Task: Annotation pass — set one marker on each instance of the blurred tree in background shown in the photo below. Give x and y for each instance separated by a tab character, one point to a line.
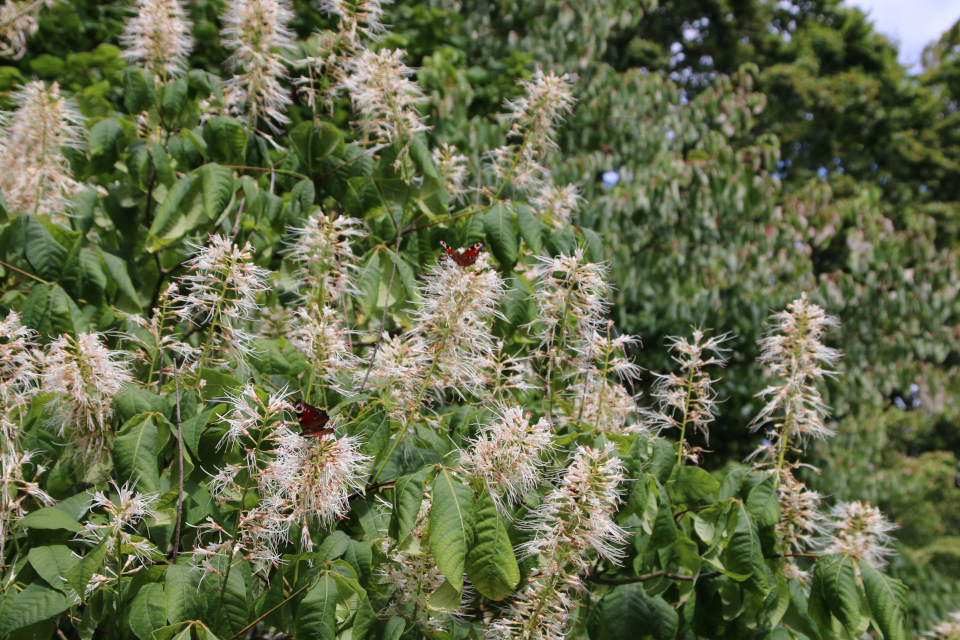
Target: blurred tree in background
732	152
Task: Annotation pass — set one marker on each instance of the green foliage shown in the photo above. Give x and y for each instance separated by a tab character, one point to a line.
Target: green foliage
715	219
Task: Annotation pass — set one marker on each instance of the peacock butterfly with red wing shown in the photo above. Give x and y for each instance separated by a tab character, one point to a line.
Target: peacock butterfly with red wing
463	257
313	421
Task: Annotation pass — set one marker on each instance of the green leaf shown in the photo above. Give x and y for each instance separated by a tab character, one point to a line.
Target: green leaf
147	611
531	228
193	427
83	277
317	612
174	95
35	603
394	628
235	613
689	485
887	599
180	594
451	526
498	224
491	565
217	189
743	556
138	90
83	569
687	554
135	452
314	141
4	211
628	612
104	141
225	138
594	245
664	529
407	498
31	239
763	503
364	619
117	268
369	282
51	563
730	486
445	598
834	589
49	518
169	223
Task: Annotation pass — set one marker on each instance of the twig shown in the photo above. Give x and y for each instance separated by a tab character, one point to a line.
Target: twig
383	317
285	601
613	582
29	275
377	487
176	535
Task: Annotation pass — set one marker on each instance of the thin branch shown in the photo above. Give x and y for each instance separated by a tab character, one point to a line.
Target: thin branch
377	487
285	601
338	167
29	275
613	582
176	535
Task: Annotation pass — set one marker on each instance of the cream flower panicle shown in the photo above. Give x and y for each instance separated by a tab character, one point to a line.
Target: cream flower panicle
85	375
510	454
686	398
323	252
453	167
794	355
157	36
222	288
453	318
258	32
19	20
37	176
124	512
572	526
533	119
384	96
860	530
559	204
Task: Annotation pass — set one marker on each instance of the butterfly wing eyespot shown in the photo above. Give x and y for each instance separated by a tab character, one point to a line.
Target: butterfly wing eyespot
312	420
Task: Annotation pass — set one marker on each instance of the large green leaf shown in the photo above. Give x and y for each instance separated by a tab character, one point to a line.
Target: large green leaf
491	565
83	277
628	612
169	223
317	612
180	594
31	239
498	224
834	590
225	138
887	599
35	603
235	610
407	498
664	528
314	141
51	563
83	569
217	189
104	140
743	556
147	611
49	518
135	452
690	485
451	526
138	90
763	503
531	228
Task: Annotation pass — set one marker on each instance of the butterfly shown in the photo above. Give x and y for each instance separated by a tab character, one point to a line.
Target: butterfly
312	420
463	257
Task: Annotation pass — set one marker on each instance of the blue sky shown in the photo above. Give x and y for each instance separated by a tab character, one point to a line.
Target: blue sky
912	23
